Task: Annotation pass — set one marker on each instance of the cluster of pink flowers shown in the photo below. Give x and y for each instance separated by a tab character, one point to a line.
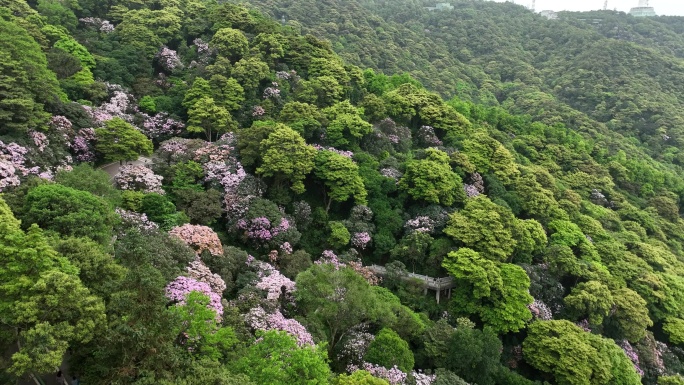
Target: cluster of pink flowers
178	290
275	284
477	182
138	178
117	107
421	224
40	140
13	165
394	376
160	125
137	220
356	346
286	248
329	257
427	137
168	59
199	238
204	52
261	229
584	325
258	111
62	125
271	92
540	310
631	354
346	154
285	75
258	319
421	378
392	173
102	25
470	190
199	271
361	240
83	145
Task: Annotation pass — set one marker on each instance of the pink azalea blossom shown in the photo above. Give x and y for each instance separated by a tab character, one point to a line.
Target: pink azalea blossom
178	291
199	237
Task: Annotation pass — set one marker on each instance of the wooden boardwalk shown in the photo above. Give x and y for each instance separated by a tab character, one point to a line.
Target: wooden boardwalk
429	283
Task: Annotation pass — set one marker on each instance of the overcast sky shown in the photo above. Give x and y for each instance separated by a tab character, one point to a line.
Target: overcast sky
662	7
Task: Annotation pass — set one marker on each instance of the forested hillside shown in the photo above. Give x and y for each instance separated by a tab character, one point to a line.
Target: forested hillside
257	180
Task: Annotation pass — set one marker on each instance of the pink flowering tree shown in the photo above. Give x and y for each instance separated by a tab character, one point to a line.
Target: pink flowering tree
394	375
168	59
177	291
136	220
259	319
198	237
83	145
199	271
138	178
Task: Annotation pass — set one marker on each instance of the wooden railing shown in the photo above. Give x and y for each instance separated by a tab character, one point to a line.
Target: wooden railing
430	283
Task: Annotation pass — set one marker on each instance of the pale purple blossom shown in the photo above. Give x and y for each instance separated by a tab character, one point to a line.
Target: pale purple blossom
258	111
286	248
271	92
199	271
83	145
361	240
392	173
160	125
138	178
346	154
540	311
102	25
258	319
421	224
427	137
137	220
275	284
470	190
394	375
40	140
178	290
168	59
631	354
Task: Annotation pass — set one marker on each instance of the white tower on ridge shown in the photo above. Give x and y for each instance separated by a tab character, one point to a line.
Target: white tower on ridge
643	10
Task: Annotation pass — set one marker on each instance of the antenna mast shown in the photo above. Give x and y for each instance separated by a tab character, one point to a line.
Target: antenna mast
534	4
605	5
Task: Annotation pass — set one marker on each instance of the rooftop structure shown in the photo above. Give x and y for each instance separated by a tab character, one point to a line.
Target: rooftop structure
642	10
441	7
551	15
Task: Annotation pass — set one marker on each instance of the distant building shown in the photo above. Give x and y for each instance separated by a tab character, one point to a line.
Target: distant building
441	7
551	15
643	10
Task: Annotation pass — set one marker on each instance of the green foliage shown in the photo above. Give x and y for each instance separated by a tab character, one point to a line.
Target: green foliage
206	116
286	156
230	43
340	175
485	227
359	377
86	178
474	354
576	357
674	327
630	318
119	141
318	296
68	212
591	299
389	350
432	180
26	82
497	293
339	235
276	359
44	305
